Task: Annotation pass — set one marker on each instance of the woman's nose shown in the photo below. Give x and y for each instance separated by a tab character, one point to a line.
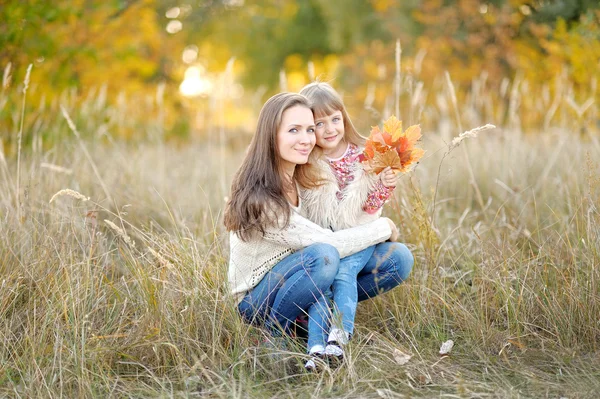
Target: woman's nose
308	139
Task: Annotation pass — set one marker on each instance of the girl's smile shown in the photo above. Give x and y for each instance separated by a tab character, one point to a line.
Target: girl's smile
330	134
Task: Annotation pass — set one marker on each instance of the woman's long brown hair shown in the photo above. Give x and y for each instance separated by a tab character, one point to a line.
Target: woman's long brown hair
257	192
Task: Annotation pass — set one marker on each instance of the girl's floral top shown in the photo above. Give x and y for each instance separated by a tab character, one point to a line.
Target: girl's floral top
343	167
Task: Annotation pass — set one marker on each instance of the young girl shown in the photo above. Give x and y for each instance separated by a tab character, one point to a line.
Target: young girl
281	264
350	197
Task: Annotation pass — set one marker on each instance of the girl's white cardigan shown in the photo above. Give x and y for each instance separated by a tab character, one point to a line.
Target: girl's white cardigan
323	207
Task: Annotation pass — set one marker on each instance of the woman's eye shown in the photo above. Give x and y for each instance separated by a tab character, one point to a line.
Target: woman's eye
311	130
293	130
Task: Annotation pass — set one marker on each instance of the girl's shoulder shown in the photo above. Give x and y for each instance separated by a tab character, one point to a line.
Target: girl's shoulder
356	147
354	156
351	155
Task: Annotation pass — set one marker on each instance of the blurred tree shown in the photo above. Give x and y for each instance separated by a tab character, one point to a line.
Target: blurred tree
549	12
130	45
87	43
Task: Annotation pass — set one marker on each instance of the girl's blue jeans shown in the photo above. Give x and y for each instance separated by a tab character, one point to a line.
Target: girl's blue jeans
361	276
300	282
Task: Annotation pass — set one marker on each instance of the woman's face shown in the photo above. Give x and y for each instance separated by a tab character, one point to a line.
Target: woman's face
295	136
330	133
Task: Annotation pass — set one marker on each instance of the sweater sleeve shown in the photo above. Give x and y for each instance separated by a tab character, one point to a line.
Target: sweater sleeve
377	197
301	233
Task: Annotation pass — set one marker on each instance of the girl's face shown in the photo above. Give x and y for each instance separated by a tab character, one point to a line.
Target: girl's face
295	136
330	134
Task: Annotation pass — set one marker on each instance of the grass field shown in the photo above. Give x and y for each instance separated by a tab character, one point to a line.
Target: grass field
123	295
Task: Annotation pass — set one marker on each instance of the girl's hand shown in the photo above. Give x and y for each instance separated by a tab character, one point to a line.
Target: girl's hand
388	177
395	233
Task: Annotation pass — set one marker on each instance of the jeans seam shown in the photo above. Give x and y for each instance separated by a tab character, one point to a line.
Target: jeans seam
288	290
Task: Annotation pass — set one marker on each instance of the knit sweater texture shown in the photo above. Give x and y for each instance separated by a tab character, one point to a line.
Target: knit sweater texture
249	261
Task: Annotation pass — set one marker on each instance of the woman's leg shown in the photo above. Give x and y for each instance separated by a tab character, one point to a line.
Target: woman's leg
390	265
294	284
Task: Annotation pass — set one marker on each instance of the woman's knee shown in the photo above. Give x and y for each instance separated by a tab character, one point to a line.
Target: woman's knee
327	258
402	260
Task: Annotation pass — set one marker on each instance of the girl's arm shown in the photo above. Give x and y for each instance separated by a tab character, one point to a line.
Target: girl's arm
301	233
377	197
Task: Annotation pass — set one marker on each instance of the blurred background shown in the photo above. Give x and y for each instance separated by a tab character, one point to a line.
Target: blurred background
198	69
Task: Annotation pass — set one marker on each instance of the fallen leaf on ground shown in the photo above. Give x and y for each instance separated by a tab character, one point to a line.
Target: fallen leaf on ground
446	347
400	357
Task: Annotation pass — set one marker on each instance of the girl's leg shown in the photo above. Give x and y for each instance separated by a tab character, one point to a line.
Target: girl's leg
294	284
345	299
345	296
319	316
345	292
390	265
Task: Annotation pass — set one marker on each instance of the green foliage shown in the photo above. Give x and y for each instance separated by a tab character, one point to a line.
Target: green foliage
548	12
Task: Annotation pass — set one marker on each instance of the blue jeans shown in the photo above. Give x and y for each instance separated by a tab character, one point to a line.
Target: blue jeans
361	276
299	282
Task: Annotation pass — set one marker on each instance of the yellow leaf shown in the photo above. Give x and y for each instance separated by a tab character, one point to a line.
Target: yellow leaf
393	126
413	134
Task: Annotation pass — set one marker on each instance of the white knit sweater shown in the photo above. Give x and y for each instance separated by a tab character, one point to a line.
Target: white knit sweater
323	207
249	261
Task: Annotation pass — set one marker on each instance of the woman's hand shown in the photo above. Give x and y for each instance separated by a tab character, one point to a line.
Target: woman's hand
395	233
388	177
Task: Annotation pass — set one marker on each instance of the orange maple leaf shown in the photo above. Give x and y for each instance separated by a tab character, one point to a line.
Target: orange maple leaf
381	144
382	160
410	157
378	141
381	137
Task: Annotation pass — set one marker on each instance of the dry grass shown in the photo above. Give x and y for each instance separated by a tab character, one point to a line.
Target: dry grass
124	295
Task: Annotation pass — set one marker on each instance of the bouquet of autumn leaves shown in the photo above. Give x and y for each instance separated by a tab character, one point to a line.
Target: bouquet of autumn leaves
392	147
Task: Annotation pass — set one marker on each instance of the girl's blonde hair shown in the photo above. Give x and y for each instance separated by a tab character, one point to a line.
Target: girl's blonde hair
325	101
258	190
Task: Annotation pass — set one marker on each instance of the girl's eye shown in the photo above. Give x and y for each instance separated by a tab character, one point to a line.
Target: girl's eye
319	124
336	119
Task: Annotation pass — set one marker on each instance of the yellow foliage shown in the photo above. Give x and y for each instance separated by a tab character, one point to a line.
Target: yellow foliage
383	5
294	62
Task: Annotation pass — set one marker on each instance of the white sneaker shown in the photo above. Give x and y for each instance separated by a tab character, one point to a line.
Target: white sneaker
311	365
315	363
334	352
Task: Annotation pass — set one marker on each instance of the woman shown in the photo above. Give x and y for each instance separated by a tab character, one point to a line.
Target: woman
282	265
